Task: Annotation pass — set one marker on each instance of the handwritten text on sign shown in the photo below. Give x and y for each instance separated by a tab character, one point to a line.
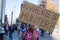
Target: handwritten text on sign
40	11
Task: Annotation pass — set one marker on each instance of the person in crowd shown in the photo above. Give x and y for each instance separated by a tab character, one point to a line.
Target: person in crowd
15	27
35	33
29	33
20	33
6	28
18	28
10	32
50	33
42	33
39	34
2	31
23	29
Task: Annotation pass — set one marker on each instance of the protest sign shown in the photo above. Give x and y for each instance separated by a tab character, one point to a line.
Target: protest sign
36	15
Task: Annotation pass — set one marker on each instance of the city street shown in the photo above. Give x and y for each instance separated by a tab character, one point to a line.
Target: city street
29	19
54	36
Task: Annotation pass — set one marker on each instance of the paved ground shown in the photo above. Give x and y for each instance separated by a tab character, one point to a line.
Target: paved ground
54	36
15	36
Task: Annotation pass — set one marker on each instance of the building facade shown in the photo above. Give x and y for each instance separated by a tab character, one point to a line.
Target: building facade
2	10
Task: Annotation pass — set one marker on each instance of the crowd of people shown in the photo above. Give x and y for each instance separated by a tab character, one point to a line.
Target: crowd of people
25	31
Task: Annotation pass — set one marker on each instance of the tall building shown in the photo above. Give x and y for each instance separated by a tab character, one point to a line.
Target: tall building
5	19
50	4
2	10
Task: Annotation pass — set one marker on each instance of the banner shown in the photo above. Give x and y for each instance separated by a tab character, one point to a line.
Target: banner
36	15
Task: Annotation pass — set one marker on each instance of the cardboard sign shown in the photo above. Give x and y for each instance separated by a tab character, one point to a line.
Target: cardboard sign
36	15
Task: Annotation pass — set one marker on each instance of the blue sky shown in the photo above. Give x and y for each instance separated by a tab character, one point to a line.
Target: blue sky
15	5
